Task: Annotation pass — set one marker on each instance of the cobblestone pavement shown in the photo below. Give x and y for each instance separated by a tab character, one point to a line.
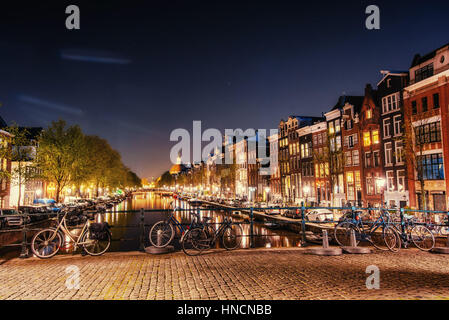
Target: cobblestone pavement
244	274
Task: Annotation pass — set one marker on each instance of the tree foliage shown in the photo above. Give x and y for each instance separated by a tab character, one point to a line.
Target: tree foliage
68	157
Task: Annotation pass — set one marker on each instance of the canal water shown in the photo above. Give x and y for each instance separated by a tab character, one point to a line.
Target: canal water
126	230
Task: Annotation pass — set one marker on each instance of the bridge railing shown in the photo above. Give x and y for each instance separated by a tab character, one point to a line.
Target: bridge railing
299	217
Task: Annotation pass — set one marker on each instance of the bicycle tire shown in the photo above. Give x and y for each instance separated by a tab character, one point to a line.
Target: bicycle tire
85	239
194	242
42	250
232	238
167	233
342	233
384	240
417	233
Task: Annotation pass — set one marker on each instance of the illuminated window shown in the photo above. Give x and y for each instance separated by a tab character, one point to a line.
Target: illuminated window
369	114
375	136
357	180
331	128
350	177
366	139
337	125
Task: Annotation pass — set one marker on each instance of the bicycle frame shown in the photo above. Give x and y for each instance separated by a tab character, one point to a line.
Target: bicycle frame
378	223
178	224
62	225
220	230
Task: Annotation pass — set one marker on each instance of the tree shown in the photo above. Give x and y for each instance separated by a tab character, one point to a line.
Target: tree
60	154
166	179
413	150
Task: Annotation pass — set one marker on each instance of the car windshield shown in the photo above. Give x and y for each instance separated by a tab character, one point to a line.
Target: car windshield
9	211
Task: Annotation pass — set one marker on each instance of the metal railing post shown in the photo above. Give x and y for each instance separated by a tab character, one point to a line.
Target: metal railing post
24	252
401	215
251	228
142	230
303	225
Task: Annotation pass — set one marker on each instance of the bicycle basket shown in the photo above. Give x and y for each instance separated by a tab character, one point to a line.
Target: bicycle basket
73	220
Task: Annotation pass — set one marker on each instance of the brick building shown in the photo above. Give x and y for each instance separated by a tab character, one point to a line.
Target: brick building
389	91
371	149
321	164
305	191
426	103
275	183
352	150
6	170
335	154
289	155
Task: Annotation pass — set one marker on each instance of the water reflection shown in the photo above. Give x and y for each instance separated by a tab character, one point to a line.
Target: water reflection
126	230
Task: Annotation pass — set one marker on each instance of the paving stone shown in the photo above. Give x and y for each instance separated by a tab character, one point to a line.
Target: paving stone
244	274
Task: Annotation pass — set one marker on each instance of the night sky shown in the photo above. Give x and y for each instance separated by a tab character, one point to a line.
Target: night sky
139	69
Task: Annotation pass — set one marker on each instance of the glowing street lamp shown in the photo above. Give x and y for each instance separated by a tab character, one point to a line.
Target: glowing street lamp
267	192
306	190
380	186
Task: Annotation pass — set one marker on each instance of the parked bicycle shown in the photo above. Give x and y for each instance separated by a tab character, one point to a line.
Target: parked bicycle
413	232
379	233
163	232
200	239
438	229
94	238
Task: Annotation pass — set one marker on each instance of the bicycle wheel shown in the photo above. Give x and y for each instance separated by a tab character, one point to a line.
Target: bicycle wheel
342	233
161	234
194	242
95	247
232	236
386	240
46	243
422	238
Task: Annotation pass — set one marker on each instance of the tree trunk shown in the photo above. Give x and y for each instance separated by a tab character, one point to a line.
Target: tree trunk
20	186
57	192
423	195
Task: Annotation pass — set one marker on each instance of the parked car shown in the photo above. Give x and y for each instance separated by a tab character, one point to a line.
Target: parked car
36	213
319	215
9	220
273	212
293	214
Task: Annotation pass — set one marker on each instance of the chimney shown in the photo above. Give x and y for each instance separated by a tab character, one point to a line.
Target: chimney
368	89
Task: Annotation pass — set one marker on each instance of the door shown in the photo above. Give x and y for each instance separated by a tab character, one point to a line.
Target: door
439	202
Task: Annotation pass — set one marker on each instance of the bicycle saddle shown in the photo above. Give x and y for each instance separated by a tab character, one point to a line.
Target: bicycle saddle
207	218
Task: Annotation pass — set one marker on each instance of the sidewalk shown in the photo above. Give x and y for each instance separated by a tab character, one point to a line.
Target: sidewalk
243	274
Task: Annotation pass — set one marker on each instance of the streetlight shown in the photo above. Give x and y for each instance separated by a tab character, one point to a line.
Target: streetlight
267	192
306	190
380	185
